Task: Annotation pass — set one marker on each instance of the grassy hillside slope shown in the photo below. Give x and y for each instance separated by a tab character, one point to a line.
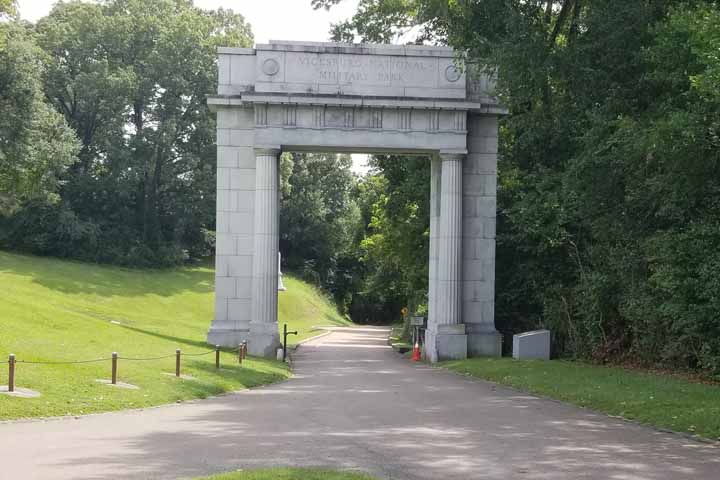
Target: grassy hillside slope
304	307
54	310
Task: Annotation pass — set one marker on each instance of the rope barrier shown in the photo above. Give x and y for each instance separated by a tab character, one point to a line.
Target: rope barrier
62	362
241	351
145	359
198	354
106	359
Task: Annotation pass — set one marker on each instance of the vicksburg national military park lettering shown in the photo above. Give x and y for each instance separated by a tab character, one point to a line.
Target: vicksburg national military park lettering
363	69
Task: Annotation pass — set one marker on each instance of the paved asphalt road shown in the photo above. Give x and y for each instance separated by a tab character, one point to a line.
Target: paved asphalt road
355	404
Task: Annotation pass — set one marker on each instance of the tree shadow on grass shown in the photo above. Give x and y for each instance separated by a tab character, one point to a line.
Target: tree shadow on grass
179	340
252	376
74	277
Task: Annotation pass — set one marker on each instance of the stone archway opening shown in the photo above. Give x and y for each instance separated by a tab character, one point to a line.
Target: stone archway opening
322	97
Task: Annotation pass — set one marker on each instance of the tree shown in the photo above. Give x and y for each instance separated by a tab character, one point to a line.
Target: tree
131	77
8	8
35	143
319	219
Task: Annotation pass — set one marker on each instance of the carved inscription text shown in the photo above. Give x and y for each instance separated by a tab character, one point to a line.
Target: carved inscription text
366	69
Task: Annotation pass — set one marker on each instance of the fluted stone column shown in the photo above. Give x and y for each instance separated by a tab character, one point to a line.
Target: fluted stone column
446	333
435	176
264	337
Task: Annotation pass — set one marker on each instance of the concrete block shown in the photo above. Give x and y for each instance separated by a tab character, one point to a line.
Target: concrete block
224	201
475	205
244	244
264	339
478	291
239	265
236	118
225	287
227	157
263	344
532	345
221	265
480	163
473	227
223	178
473	184
241	222
221	309
242	179
482	144
224	69
225	244
478	312
488	270
239	309
486	206
245	157
243	288
484	248
223	137
243	200
242	69
242	138
491	185
451	346
226	334
489	227
482	125
472	269
222	222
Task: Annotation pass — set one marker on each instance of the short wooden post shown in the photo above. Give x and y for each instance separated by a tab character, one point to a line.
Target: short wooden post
240	353
114	368
217	356
177	362
11	372
244	349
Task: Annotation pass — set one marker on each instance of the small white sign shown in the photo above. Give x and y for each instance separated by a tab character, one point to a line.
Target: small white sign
417	321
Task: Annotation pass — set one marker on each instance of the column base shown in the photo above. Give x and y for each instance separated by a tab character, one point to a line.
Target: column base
484	344
449	342
230	338
264	340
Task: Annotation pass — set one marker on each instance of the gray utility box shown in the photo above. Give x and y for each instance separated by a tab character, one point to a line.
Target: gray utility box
532	345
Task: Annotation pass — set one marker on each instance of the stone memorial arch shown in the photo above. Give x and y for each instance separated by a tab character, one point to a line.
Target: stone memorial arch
326	97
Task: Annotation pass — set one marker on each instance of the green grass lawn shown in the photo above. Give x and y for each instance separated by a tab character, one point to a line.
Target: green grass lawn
660	400
303	307
61	310
289	474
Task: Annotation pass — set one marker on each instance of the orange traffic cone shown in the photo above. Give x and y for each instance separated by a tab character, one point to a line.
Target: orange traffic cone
416	353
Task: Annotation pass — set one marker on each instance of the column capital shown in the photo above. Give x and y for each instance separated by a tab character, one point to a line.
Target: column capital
268	150
451	155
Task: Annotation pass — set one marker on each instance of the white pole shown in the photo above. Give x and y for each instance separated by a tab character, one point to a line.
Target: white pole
281	287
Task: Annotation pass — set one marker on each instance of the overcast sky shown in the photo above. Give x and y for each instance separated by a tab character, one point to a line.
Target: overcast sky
270	19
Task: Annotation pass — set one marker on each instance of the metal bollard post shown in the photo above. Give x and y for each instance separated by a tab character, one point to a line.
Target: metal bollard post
240	353
217	356
284	344
114	368
177	362
11	372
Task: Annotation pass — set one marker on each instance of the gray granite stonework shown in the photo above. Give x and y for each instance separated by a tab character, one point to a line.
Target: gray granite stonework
325	97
